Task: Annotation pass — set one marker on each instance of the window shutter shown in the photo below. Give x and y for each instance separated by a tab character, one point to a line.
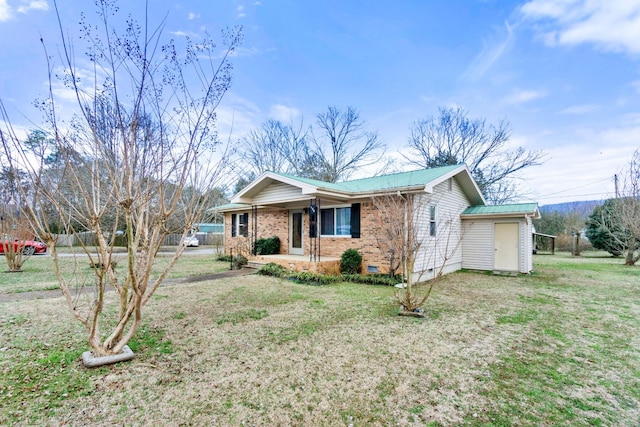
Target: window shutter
233	225
355	220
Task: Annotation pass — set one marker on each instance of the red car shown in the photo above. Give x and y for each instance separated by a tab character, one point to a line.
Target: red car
29	247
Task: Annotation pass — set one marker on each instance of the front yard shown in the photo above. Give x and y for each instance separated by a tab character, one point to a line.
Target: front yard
557	347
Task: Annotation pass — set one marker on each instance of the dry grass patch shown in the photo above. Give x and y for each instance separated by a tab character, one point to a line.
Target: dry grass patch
557	347
38	271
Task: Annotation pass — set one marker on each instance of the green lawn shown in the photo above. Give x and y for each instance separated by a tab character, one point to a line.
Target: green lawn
557	347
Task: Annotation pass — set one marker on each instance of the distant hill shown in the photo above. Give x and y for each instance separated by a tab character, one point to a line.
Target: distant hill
583	208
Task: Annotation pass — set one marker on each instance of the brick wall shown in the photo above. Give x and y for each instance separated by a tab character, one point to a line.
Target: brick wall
275	222
271	222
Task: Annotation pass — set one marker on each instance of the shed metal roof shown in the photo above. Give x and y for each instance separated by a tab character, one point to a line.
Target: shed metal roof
513	208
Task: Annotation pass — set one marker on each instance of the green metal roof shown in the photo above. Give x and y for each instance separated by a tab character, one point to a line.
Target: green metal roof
229	206
515	208
383	182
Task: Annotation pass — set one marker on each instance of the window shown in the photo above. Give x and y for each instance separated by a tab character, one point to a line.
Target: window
335	221
240	224
432	221
243	224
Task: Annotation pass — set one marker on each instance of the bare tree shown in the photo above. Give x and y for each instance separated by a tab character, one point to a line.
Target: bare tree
337	147
275	147
452	138
140	156
341	145
615	226
14	227
627	211
414	245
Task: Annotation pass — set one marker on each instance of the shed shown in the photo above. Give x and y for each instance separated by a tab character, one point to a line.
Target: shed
499	237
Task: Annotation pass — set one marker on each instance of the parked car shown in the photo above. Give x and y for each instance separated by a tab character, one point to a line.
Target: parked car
29	247
191	242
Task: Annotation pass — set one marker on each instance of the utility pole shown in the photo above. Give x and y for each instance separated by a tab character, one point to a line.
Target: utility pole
615	182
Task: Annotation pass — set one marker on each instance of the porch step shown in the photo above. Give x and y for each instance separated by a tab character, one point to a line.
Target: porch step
255	264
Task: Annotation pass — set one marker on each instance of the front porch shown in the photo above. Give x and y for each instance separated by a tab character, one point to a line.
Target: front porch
297	262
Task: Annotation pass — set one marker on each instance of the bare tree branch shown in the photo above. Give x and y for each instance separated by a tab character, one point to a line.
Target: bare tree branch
453	138
342	145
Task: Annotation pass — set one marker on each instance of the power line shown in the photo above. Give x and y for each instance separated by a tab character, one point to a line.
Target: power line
599	195
578	187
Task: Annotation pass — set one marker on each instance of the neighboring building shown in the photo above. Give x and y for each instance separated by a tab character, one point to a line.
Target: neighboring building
317	221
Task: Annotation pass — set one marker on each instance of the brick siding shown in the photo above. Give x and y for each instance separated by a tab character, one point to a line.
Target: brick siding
275	222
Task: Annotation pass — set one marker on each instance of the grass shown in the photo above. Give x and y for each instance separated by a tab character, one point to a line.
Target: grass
37	274
557	347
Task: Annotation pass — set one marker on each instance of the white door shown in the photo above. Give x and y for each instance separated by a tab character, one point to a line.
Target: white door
295	233
507	252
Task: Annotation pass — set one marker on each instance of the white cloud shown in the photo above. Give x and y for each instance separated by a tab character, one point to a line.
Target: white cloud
245	51
631	119
580	109
5	11
491	52
611	25
33	5
241	13
283	113
520	96
583	168
192	16
237	116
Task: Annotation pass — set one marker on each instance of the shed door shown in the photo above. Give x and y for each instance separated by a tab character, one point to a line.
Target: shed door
507	251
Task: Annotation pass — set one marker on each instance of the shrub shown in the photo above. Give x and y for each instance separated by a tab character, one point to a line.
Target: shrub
372	279
350	262
314	278
273	269
267	246
239	261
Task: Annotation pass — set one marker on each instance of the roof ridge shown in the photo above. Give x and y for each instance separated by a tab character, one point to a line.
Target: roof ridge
400	173
292	176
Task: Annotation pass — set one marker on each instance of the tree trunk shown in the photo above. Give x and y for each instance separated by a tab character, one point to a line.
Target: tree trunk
631	258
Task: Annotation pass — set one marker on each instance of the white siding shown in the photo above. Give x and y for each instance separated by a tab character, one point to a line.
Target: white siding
444	250
477	244
277	192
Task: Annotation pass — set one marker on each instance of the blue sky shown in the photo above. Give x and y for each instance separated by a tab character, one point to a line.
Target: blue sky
564	73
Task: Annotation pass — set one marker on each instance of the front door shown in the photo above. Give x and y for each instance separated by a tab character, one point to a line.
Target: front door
507	252
295	233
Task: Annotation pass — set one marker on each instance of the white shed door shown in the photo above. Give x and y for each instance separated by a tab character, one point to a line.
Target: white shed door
506	253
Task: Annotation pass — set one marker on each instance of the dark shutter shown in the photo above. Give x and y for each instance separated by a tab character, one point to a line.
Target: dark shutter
233	225
355	220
